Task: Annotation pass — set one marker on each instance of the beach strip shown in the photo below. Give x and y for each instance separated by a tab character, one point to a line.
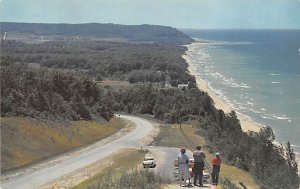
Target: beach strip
246	123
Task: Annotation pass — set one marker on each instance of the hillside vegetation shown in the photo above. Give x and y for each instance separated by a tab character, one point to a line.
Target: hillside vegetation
51	94
134	62
134	33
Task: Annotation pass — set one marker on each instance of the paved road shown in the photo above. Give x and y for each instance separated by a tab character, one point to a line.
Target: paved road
165	157
71	161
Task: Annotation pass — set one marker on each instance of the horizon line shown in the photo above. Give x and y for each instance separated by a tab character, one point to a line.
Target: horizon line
179	28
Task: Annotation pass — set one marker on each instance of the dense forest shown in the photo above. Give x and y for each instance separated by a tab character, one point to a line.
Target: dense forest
145	33
51	94
58	80
135	62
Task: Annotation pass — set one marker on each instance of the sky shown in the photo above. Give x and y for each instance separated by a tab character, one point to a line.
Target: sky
193	14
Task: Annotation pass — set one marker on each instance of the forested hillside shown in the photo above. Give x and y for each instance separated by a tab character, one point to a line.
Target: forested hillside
135	62
51	94
140	33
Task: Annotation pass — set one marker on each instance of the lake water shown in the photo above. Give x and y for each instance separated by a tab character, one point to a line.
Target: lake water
257	72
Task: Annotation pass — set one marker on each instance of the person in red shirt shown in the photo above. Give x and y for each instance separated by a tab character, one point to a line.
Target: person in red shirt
216	162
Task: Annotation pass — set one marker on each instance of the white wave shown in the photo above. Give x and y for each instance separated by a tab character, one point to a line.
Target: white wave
275	82
255	111
274	74
230	82
243	108
263	109
250	103
214	42
293	145
266	117
246	86
283	117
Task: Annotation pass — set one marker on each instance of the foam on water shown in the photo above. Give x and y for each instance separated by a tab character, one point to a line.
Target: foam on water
275	82
282	117
253	79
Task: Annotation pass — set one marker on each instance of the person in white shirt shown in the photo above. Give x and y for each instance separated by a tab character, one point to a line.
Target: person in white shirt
183	167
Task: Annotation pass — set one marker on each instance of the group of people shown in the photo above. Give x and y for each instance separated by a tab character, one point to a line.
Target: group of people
199	165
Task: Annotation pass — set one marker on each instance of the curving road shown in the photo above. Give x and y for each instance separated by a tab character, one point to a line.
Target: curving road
69	162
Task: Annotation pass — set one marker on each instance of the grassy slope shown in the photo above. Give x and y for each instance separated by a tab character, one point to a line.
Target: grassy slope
170	135
123	161
26	140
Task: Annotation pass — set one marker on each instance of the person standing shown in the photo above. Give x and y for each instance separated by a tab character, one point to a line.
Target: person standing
183	167
199	158
216	162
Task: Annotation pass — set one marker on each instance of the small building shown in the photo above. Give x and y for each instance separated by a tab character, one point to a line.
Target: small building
180	86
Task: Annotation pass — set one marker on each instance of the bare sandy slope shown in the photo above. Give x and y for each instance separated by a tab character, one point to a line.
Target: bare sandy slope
70	162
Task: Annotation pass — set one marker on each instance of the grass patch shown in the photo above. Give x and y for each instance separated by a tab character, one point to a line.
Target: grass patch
26	140
170	136
122	162
132	179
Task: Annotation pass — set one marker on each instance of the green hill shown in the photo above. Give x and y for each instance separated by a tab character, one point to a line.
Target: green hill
133	33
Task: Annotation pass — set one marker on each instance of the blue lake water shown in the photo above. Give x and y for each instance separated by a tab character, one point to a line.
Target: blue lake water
257	72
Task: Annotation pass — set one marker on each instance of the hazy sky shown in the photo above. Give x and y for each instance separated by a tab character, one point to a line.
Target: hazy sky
177	13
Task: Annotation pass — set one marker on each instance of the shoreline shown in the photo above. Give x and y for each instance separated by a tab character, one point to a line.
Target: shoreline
246	123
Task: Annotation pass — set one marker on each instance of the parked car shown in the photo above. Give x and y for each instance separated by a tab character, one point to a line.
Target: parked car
148	161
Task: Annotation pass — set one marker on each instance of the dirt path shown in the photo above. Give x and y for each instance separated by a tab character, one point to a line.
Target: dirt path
40	175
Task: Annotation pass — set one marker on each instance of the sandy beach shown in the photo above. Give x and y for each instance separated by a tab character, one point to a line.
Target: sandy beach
246	123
